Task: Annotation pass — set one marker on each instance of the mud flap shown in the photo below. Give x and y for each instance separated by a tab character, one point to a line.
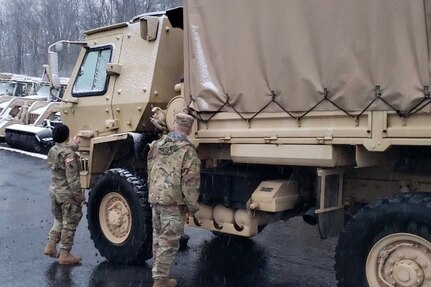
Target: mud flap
330	212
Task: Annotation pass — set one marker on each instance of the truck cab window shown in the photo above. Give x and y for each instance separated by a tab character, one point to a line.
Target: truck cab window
92	78
7	88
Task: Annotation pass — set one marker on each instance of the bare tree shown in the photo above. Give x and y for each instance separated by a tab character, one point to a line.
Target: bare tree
31	37
29	26
13	15
61	21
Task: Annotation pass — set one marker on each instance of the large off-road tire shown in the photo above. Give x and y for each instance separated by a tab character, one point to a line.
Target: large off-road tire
387	243
119	217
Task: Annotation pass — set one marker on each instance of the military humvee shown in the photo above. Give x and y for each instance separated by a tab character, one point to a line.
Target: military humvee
318	109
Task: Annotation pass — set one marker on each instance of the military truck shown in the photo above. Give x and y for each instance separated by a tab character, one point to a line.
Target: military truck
6	88
318	109
14	109
19	86
34	132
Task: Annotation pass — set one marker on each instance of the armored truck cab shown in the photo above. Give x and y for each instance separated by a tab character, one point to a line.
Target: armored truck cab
122	72
311	108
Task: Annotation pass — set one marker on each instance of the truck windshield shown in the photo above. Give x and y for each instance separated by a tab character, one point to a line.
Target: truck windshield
7	89
92	78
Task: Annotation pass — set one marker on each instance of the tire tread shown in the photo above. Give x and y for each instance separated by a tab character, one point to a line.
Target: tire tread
141	190
359	221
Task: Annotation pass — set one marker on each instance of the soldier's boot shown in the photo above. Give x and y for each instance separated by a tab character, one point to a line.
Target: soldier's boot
51	246
67	258
51	249
170	282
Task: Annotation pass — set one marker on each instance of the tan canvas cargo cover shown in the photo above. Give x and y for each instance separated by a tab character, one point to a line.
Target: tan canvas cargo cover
247	48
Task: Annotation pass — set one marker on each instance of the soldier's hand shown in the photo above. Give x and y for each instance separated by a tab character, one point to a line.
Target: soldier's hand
76	140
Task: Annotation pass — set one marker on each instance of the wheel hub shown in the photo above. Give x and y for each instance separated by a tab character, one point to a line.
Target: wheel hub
407	273
400	260
115	217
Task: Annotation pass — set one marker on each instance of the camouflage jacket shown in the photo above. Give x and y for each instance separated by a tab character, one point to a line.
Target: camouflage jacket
63	161
174	172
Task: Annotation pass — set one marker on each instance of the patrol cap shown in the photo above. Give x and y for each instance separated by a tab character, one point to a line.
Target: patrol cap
60	133
184	120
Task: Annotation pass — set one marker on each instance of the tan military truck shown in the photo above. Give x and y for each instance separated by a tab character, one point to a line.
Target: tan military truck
31	128
6	88
311	108
32	131
19	86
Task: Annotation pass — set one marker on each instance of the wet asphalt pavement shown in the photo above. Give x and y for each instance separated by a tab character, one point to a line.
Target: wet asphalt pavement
285	254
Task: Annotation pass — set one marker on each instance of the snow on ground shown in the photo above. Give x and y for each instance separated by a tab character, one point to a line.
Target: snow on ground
37	155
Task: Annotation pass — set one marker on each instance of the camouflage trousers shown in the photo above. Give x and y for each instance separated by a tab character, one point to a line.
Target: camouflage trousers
168	226
66	218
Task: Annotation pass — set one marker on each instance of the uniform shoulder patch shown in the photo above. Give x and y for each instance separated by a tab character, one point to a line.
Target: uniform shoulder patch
69	159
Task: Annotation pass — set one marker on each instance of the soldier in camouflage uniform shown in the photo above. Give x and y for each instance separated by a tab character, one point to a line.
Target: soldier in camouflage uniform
174	179
66	195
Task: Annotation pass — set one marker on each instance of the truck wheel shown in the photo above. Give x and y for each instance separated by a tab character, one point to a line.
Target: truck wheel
387	243
119	217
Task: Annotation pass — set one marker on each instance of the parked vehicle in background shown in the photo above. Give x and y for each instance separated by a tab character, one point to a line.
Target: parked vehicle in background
26	122
23	85
6	87
34	133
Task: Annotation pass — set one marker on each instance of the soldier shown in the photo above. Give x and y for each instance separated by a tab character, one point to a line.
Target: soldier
66	195
174	179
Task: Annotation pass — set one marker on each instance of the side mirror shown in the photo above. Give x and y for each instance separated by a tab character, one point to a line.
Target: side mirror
149	28
54	78
53	74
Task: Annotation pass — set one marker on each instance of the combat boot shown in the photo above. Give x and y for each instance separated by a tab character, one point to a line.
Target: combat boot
51	249
67	258
51	246
165	282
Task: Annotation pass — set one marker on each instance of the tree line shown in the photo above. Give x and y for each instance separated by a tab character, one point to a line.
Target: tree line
28	27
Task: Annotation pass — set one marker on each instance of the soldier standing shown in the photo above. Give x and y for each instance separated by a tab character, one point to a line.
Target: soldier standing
174	179
66	195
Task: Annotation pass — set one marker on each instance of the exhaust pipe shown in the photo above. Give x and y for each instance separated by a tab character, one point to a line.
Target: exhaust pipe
310	216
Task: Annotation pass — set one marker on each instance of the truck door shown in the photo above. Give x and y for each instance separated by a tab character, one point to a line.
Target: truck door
93	87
